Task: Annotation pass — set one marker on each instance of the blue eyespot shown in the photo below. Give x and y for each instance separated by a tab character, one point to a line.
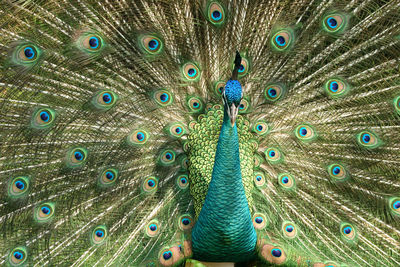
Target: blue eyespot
192	72
216	15
167	255
18	255
241	106
164	97
280	40
153	44
183	180
271	153
185	221
241	69
259	127
366	138
151	183
272	92
347	230
20	185
276	252
99	233
107	98
78	156
396	205
336	170
45	210
153	227
285	179
140	136
178	130
303	131
29	52
109	175
334	86
44	116
94	42
332	22
259	178
168	156
259	220
289	229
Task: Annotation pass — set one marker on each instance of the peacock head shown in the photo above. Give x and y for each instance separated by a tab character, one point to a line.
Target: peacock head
231	96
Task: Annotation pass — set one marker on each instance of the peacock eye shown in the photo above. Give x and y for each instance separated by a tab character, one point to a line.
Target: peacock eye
259	179
216	14
286	181
150	184
334	23
151	44
44	212
243	68
244	106
336	88
273	155
191	72
171	256
163	97
138	137
77	157
338	172
186	222
276	252
42	118
395	205
274	92
108	177
289	229
153	228
195	104
28	53
368	139
99	235
91	42
17	256
282	40
261	127
305	133
396	104
259	221
219	88
273	254
167	157
176	130
104	100
348	231
183	181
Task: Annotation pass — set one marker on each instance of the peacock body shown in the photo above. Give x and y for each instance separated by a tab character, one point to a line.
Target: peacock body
134	134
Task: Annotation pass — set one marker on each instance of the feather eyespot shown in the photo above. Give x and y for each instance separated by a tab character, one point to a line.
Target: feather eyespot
244	106
305	133
336	88
289	229
273	254
151	44
108	177
18	256
153	228
104	100
395	205
282	40
18	186
186	222
259	179
150	184
91	42
171	256
76	157
42	118
182	181
99	235
396	104
286	181
191	72
348	231
176	130
44	212
259	221
338	172
167	157
219	88
27	54
216	13
195	104
334	23
273	155
274	92
261	127
243	68
163	98
138	137
368	140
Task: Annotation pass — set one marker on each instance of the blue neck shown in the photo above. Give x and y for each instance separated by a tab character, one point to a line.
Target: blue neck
224	230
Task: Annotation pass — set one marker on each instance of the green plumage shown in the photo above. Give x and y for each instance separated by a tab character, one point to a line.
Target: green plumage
110	114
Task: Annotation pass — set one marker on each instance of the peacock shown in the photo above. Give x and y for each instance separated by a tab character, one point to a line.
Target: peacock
200	133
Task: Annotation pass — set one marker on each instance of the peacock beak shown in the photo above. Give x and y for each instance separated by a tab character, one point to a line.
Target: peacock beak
232	113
